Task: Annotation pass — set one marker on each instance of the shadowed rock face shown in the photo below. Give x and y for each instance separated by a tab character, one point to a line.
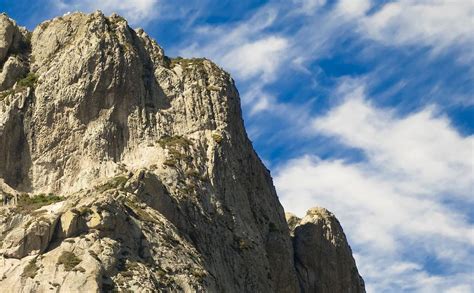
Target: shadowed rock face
160	188
323	258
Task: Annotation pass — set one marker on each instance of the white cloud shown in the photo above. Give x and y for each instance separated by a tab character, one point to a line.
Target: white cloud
258	57
135	11
439	24
248	51
245	49
436	23
372	203
394	202
353	8
420	146
392	275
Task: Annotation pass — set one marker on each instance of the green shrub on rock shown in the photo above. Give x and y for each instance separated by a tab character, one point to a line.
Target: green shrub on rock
30	270
69	260
29	81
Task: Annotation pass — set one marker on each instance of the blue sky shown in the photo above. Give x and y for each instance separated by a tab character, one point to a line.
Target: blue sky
363	107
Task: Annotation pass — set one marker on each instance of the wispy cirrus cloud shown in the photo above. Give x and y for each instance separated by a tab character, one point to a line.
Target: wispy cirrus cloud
245	48
440	24
261	57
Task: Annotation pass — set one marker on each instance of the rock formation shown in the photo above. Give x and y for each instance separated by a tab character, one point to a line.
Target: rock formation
323	259
132	171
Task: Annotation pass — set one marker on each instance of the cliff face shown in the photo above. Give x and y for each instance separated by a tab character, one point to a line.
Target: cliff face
153	182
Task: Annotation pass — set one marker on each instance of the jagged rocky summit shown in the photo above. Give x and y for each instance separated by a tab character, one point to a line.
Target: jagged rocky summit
124	170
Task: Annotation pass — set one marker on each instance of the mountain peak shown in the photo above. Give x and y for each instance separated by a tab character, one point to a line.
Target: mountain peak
124	169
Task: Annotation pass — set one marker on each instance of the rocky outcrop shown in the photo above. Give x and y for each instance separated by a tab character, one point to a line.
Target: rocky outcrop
323	258
11	37
99	240
14	48
159	186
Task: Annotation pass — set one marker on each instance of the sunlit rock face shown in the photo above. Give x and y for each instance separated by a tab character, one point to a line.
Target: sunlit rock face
122	169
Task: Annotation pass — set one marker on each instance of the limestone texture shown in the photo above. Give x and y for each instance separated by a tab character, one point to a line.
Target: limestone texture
122	169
